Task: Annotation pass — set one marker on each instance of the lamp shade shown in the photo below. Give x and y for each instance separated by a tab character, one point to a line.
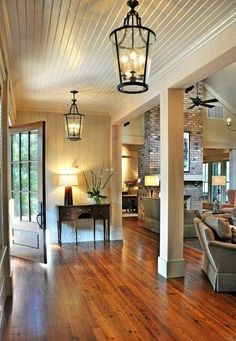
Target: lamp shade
218	180
68	180
151	180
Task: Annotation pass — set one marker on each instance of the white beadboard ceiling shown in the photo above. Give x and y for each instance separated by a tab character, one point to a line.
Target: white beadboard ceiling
59	45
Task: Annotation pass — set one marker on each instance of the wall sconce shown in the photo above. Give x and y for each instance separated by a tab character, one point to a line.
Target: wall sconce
74	121
68	180
151	181
228	124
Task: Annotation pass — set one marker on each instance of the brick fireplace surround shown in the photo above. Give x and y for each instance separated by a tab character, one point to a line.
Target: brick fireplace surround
149	153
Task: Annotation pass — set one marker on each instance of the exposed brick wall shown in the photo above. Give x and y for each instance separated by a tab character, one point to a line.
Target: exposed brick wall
149	153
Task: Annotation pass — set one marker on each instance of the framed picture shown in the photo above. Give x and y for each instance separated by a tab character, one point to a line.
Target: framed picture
186	152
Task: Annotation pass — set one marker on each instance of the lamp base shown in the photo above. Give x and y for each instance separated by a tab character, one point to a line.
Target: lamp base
68	199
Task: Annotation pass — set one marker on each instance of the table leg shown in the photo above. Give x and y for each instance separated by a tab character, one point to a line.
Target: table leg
94	230
104	229
108	228
76	236
59	232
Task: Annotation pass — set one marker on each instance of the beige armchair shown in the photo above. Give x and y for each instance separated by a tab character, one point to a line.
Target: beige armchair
228	206
218	260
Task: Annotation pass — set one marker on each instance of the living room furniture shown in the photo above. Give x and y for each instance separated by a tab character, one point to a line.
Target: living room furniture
152	217
218	260
130	202
227	207
152	213
84	211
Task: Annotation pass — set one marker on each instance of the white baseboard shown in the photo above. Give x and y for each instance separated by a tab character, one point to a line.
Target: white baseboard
171	268
5	282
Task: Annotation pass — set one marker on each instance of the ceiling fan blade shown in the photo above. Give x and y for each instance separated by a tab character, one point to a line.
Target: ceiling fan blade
189	89
212	100
207	105
192	106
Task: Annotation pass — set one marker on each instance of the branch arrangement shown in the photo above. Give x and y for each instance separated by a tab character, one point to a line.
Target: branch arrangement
97	184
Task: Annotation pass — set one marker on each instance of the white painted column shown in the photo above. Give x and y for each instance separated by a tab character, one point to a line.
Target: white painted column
232	169
170	261
116	184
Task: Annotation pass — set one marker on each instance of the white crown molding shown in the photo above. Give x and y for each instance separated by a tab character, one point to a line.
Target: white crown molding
58	111
220	99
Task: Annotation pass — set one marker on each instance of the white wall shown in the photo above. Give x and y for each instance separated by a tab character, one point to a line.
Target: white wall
134	132
92	152
129	164
215	132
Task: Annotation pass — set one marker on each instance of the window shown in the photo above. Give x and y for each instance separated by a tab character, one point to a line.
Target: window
24	174
216	170
227	179
205	189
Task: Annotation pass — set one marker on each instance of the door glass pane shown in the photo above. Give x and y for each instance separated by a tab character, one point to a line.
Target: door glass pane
15	176
33	145
16	197
33	206
15	147
25	206
24	177
34	176
24	146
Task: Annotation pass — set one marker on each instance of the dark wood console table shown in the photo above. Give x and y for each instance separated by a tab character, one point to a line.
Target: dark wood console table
84	211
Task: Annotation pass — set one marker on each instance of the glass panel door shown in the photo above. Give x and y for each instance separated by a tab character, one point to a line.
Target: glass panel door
27	209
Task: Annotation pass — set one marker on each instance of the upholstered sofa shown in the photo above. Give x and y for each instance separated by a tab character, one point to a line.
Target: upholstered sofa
217	239
152	217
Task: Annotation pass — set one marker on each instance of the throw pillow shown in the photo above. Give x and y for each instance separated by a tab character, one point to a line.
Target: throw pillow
220	226
233	229
233	212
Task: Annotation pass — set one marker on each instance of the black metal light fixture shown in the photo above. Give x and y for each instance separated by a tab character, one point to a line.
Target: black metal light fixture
74	121
132	46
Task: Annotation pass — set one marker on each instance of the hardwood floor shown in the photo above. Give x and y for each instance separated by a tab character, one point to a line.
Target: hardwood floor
114	293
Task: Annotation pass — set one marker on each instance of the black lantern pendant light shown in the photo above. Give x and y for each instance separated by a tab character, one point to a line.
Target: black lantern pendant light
74	121
132	44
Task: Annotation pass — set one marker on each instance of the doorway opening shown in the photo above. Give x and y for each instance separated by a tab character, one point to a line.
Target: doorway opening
130	180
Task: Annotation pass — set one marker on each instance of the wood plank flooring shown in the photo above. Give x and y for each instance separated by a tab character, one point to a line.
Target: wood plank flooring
113	292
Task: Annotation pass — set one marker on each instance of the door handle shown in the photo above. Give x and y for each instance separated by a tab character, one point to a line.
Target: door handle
39	219
40	216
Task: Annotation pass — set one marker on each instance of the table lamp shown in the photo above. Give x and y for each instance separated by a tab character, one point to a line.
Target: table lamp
218	180
68	180
151	181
